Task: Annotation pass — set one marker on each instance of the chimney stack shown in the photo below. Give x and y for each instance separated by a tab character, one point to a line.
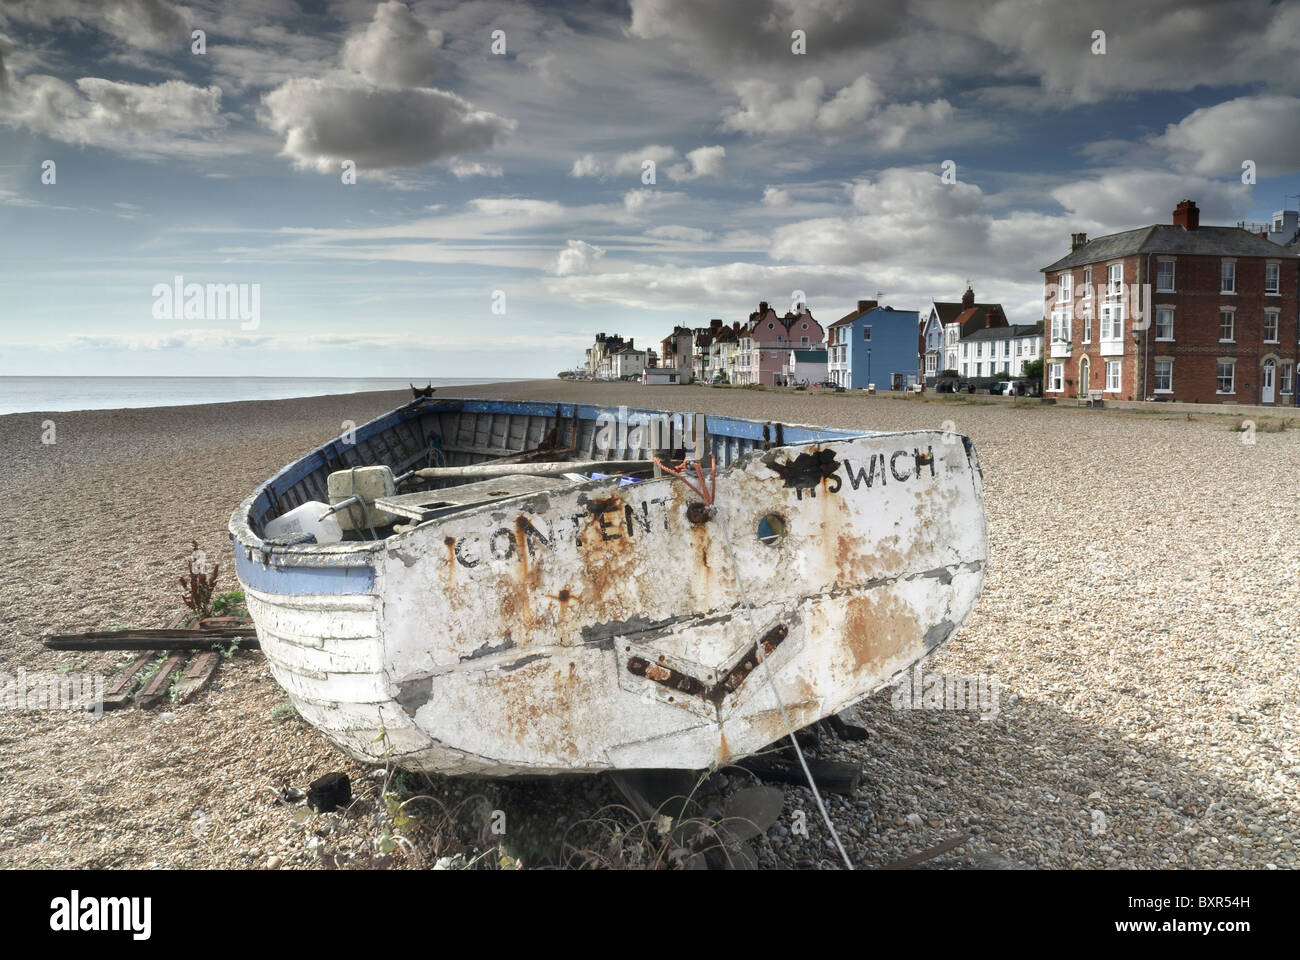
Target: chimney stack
1077	240
1187	216
968	299
762	306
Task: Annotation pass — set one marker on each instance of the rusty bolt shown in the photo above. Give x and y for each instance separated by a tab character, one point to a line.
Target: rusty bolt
698	513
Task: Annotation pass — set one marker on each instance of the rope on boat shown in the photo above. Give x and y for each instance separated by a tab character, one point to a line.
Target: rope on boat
708	494
703	491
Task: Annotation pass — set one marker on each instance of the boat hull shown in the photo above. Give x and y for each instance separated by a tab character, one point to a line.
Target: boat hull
610	626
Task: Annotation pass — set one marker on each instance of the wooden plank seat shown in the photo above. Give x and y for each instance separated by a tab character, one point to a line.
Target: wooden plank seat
428	504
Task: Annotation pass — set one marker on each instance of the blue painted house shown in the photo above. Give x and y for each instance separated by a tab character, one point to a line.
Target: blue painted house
874	344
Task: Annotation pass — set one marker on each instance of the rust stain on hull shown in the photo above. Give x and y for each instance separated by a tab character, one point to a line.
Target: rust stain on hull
603	627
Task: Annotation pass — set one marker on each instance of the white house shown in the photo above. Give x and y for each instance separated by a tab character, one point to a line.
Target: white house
628	362
801	365
947	325
994	350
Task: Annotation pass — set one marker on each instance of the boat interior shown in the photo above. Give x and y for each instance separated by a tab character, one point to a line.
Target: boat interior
438	456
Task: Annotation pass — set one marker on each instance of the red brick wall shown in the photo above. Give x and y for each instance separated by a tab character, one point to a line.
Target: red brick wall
1195	347
1092	350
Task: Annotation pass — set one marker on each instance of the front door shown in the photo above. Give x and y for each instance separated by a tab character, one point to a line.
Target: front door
1266	383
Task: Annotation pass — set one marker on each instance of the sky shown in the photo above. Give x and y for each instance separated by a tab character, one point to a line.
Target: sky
475	189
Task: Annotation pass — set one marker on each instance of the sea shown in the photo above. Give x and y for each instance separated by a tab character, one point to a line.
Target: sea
40	394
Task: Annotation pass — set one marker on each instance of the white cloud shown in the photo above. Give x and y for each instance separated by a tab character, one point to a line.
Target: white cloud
1215	140
519	207
775	197
395	49
895	123
676	232
578	257
462	169
210	340
701	162
765	111
326	121
1172	45
744	30
585	166
169	118
722	289
376	111
590	165
918	237
1123	199
635	201
850	106
143	24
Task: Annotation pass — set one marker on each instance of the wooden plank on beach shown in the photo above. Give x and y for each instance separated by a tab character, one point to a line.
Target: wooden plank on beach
221	623
161	640
118	692
197	676
159	685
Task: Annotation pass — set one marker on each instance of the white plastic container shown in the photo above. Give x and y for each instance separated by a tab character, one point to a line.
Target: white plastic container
312	517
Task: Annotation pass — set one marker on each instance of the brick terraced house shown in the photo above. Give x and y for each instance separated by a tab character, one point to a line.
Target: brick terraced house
1220	325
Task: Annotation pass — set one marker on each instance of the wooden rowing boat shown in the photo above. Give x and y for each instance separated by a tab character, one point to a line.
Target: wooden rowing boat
505	621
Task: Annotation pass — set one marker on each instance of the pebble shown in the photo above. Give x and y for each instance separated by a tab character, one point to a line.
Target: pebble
1131	614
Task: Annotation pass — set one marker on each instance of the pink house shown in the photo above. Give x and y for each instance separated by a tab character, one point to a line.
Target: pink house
766	340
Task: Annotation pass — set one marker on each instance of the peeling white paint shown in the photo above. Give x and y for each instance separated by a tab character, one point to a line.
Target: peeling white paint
498	641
